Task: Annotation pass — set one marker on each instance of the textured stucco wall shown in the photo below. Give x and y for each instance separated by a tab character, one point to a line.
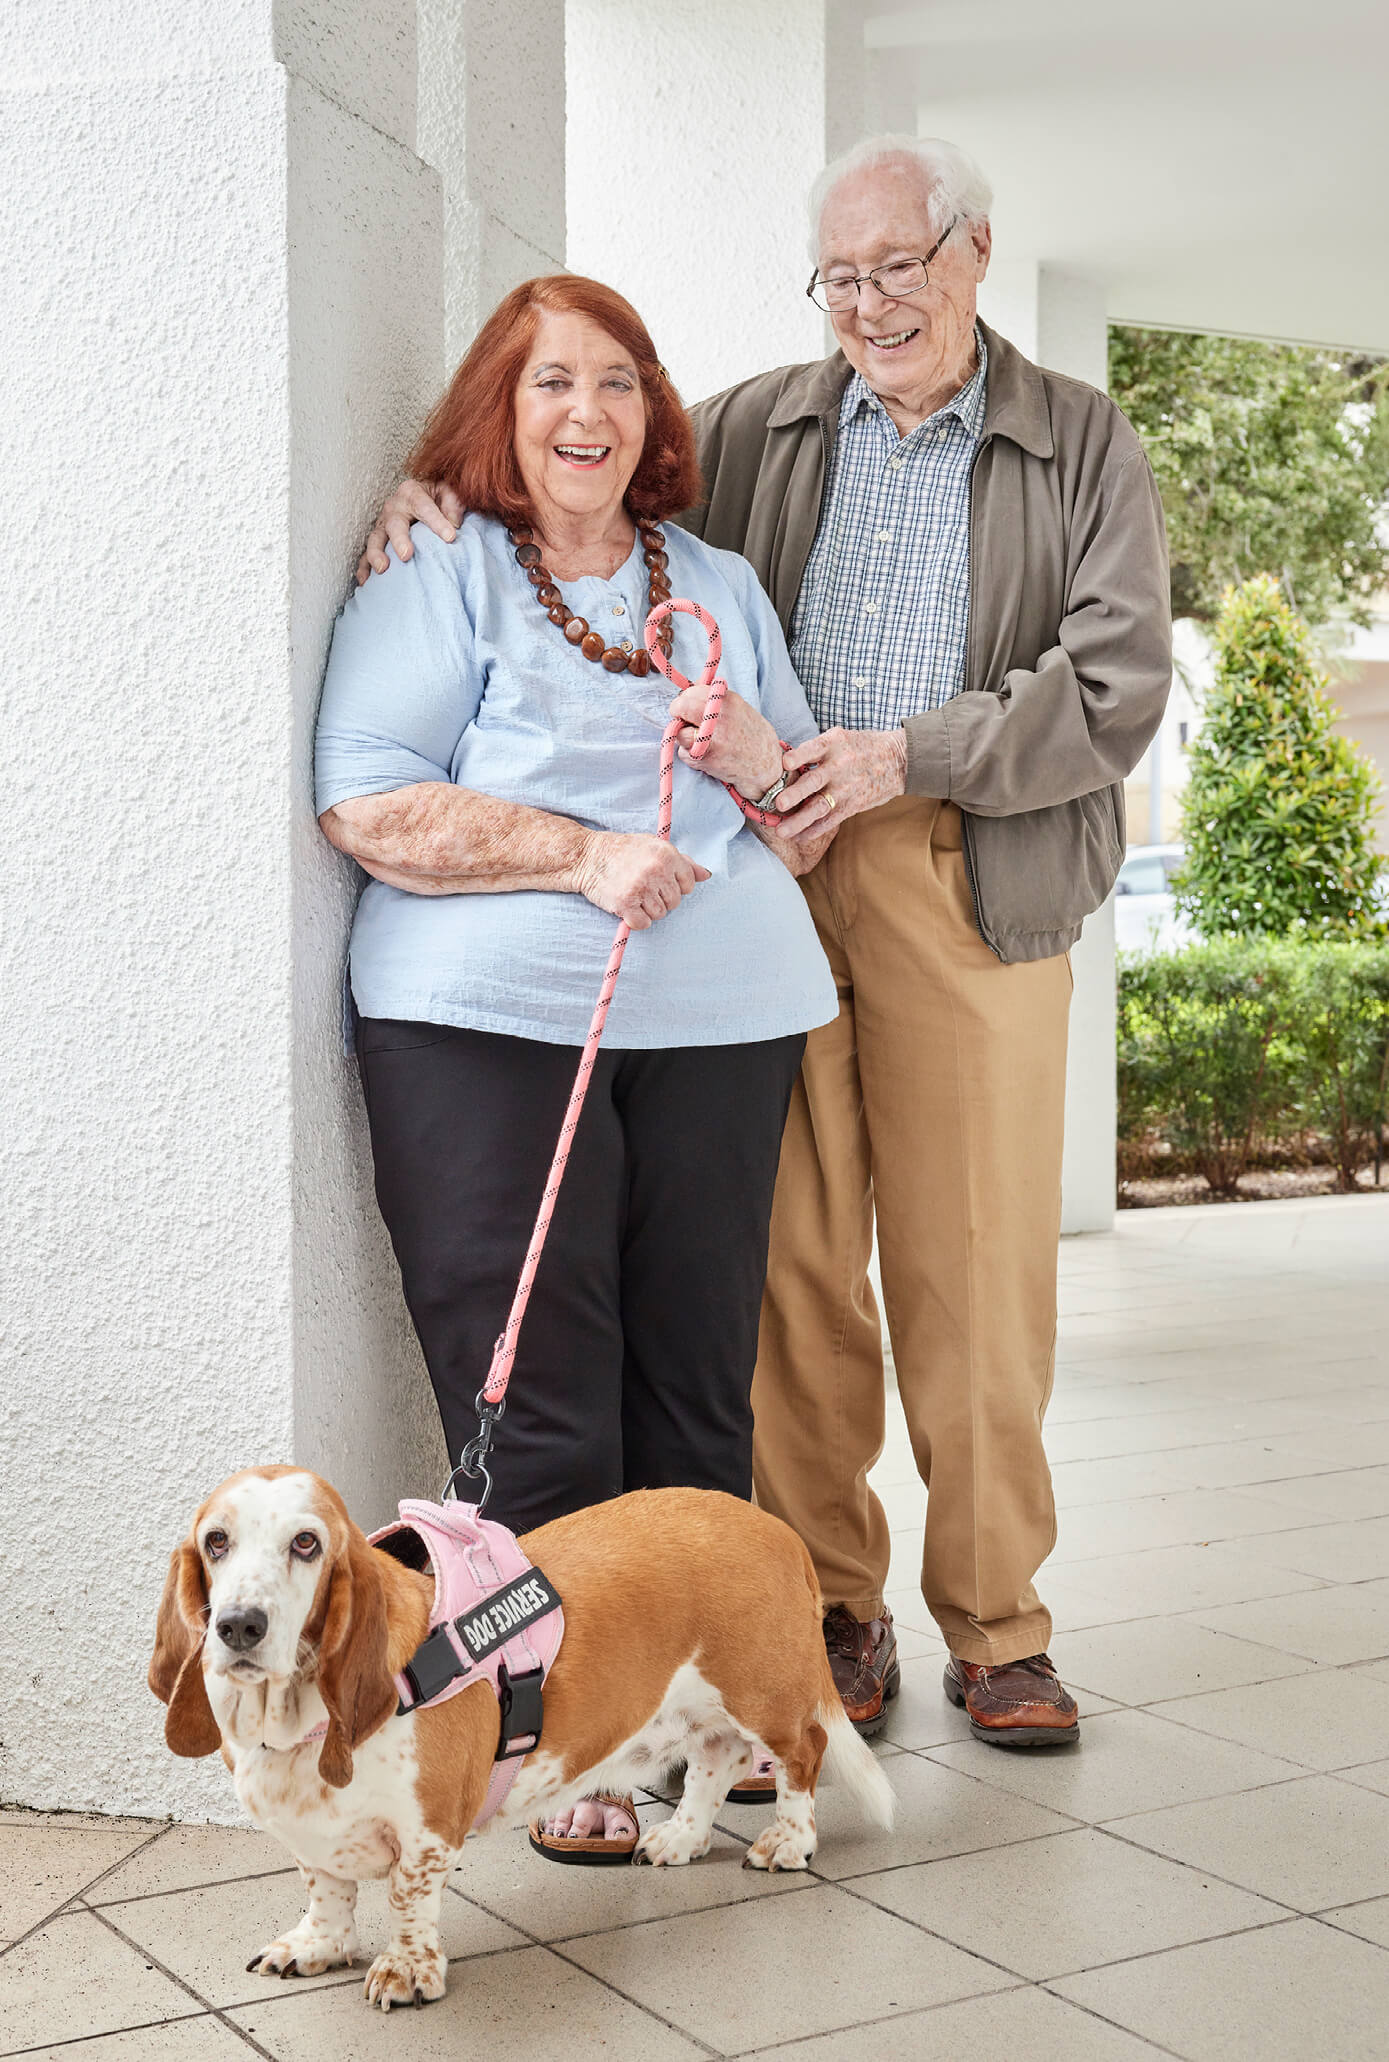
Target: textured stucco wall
492	122
695	129
223	322
366	315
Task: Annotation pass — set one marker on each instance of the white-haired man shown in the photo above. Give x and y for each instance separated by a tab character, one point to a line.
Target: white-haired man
968	555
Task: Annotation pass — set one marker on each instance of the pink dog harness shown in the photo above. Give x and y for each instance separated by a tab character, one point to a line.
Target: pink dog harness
495	1618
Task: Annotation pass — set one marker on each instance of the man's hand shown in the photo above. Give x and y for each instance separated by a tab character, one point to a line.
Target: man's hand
744	748
414	501
636	876
851	770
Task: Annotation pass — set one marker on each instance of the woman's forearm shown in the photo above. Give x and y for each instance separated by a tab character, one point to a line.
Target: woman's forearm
436	839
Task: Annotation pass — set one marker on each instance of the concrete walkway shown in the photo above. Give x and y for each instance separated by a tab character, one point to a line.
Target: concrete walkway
1206	1876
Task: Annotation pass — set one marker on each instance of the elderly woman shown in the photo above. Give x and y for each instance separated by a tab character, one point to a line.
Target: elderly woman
487	752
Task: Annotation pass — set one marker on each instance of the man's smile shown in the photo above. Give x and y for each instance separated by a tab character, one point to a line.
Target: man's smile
897	341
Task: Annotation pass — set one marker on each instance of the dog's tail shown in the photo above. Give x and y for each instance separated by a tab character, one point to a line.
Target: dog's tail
852	1764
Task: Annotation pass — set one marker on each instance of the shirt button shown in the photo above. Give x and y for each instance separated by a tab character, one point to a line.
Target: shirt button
626	644
618	609
870	608
884	536
862	681
894	465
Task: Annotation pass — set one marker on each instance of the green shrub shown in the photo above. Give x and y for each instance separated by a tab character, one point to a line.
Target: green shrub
1278	815
1203	1052
1340	1011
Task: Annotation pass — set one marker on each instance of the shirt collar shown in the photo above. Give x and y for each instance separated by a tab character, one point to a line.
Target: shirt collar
969	404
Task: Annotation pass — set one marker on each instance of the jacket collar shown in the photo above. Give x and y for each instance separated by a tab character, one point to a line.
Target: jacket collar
1016	405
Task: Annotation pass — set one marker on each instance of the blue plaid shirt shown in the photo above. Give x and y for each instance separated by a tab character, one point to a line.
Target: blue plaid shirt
878	632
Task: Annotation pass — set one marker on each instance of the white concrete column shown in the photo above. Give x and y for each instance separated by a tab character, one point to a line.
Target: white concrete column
1059	319
224	323
491	122
695	130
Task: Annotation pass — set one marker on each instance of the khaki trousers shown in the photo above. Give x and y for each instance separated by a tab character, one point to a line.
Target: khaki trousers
935	1102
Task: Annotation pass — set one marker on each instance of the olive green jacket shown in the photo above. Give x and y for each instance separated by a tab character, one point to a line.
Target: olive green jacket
1069	648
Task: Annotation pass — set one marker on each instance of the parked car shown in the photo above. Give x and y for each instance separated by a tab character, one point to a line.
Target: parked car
1145	916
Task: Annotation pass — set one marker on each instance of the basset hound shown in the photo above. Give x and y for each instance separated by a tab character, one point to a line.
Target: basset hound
692	1632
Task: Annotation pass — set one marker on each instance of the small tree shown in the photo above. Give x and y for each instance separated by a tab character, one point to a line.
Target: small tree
1278	814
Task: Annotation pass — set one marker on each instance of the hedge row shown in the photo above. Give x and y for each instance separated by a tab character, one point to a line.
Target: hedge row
1239	1048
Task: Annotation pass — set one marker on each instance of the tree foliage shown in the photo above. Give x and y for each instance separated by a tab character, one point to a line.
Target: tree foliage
1278	814
1269	458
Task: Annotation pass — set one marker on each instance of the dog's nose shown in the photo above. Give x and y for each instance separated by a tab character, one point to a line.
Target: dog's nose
241	1629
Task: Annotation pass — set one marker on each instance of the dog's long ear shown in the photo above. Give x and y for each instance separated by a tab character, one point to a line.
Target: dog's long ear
176	1666
353	1679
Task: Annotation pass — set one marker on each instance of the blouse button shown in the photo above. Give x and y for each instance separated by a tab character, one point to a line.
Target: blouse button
618	609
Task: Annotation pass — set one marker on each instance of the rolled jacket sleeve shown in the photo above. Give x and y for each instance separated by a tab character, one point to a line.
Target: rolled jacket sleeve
403	682
1082	717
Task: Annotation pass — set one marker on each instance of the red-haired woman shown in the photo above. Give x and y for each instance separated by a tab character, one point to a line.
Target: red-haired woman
487	752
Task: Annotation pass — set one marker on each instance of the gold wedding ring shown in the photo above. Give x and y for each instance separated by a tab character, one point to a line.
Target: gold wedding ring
830	799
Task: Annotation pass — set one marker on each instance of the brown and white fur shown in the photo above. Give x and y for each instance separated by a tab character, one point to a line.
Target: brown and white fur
692	1632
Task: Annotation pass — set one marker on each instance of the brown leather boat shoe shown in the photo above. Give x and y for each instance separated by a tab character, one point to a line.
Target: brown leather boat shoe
1020	1704
863	1662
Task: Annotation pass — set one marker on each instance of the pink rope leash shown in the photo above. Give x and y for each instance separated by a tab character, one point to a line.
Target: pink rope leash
492	1396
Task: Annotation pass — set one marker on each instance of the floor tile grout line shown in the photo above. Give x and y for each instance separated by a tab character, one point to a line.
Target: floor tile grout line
1104	2019
1286	1914
74	1901
1073	1825
648	2011
885	2019
148	1956
104	2033
188	1889
1111	1827
352	1978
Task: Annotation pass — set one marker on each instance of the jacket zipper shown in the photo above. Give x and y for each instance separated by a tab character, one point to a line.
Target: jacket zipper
966	820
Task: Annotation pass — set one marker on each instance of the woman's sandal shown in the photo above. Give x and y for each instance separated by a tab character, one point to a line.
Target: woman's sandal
758	1787
592	1850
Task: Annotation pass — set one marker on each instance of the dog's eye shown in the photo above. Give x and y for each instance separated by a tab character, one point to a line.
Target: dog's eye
304	1546
215	1544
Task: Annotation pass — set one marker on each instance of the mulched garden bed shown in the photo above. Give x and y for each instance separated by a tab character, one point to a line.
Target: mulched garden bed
1260	1185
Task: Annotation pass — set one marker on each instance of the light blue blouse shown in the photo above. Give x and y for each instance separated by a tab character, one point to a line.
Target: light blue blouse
445	668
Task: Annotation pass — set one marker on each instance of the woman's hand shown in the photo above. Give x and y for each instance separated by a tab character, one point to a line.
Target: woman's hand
432	503
848	770
744	748
636	876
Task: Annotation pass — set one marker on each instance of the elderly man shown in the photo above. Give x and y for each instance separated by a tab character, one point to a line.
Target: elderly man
967	552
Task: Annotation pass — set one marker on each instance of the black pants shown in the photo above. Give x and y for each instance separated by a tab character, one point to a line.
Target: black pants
635	1360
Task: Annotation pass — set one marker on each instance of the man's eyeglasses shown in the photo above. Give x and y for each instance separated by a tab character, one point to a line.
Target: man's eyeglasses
894	282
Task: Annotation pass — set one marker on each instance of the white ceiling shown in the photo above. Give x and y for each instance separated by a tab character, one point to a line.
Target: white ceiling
1215	164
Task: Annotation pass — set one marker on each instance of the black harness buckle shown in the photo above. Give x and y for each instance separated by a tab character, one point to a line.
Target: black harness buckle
432	1667
522	1711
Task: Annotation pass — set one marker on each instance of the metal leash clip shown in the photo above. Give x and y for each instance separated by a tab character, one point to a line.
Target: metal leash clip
473	1459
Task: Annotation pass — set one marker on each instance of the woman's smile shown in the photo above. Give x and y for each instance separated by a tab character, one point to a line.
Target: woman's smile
584	456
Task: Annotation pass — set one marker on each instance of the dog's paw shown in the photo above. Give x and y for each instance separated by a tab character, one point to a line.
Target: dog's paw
406	1976
670	1844
305	1951
781	1847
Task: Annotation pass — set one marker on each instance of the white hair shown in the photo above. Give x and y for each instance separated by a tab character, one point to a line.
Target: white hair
954	184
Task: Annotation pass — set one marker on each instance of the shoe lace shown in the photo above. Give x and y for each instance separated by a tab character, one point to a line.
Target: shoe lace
843	1634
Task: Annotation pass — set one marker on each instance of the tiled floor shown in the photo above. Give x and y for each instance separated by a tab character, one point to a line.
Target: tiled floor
1206	1876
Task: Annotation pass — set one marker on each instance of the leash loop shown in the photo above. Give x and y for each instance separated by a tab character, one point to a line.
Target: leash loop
492	1395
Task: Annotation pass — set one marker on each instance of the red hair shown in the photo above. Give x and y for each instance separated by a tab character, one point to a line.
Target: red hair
469	439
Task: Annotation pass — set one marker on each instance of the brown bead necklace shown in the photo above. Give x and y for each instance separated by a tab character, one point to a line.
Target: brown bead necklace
576	630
